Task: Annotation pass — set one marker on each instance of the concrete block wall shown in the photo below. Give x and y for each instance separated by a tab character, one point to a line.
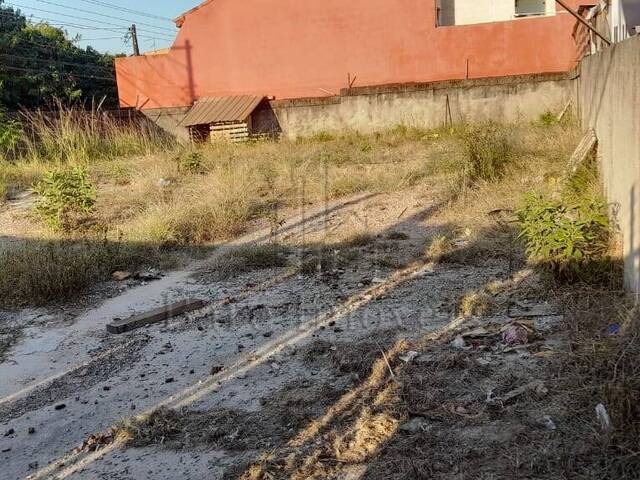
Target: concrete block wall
169	119
369	109
608	94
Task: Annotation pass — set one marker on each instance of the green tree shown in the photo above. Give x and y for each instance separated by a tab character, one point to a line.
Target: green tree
39	62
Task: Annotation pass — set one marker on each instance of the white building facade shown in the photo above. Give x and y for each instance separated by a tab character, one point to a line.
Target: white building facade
612	18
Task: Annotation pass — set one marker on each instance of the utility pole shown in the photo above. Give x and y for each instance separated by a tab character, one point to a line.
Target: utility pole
134	40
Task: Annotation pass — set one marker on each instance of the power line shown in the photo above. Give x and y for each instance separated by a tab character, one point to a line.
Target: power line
160	36
97	39
105	70
80	39
77	17
62	23
54	48
103	15
55	22
128	10
33	70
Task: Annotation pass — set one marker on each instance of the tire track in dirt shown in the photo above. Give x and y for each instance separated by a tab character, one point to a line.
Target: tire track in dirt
100	368
79	459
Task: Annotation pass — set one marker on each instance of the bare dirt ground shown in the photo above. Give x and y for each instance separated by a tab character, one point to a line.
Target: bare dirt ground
362	369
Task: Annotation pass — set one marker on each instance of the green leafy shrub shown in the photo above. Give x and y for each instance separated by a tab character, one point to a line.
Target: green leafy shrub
571	240
191	162
489	149
63	194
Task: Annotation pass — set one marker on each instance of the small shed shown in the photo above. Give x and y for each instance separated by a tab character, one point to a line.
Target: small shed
226	118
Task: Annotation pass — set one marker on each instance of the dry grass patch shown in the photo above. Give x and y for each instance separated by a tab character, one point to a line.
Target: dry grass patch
358	239
239	260
439	246
37	272
490	147
601	368
156	194
369	433
348	358
284	412
475	304
75	135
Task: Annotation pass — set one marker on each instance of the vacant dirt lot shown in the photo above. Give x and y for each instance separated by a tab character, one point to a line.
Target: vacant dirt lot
397	334
281	362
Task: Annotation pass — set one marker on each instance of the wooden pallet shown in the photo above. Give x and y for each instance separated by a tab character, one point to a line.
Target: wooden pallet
233	132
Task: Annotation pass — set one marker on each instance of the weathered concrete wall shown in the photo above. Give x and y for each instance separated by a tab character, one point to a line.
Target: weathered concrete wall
609	101
376	108
169	119
370	109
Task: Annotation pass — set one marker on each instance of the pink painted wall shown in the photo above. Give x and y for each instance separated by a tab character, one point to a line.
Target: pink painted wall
295	48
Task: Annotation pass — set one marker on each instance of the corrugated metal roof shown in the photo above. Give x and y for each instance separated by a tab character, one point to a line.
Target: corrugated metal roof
221	109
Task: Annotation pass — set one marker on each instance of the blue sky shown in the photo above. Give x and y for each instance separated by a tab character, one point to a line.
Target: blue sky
104	27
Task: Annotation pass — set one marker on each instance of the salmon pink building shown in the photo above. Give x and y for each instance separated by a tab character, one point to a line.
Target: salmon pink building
301	49
312	48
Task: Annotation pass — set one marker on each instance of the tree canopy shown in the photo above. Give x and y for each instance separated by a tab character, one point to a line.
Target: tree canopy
39	63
